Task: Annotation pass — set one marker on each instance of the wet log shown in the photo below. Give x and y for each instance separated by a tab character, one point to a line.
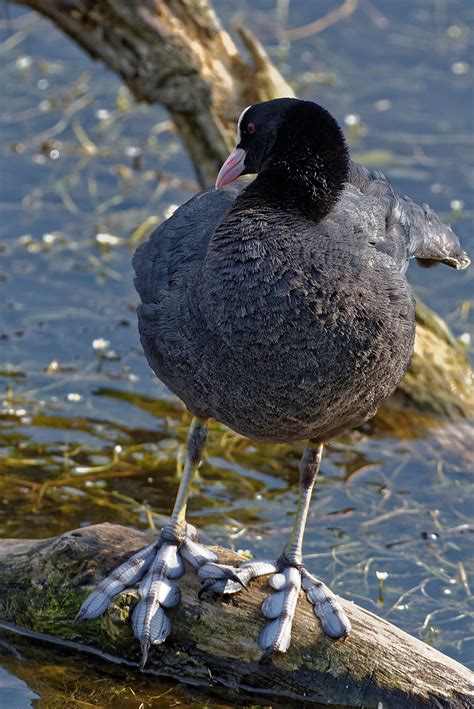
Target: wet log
213	642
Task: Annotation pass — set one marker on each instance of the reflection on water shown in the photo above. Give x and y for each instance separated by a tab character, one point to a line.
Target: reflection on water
72	679
14	692
89	435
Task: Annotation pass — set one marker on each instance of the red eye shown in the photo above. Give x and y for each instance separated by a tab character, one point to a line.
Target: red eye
251	128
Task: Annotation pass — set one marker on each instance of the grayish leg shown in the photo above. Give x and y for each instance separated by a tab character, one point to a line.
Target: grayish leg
158	564
289	576
280	607
309	469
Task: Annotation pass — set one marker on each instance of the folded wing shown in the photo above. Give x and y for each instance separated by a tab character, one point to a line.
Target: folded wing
426	237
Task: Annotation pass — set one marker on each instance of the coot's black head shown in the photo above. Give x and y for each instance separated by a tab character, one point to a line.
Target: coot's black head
298	150
270	132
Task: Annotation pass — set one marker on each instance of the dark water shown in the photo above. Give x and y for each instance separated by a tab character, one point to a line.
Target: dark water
89	435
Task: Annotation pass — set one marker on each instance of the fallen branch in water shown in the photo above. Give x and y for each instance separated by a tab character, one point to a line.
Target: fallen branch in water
42	584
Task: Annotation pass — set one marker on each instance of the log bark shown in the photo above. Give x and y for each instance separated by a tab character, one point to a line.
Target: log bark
213	642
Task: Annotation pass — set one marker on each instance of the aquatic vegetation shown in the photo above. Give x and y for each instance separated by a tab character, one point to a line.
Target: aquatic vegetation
87	434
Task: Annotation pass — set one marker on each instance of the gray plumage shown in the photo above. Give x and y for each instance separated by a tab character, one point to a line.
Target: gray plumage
295	329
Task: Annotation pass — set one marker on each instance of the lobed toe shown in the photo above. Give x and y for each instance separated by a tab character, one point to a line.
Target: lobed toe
276	636
273	605
168	594
277	581
123	576
196	554
326	607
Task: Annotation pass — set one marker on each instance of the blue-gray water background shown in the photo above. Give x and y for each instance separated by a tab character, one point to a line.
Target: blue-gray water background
83	166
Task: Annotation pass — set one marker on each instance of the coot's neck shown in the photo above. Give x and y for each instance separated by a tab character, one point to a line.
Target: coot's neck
306	171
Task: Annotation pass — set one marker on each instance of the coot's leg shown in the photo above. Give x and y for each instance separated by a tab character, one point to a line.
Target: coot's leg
158	564
280	606
289	576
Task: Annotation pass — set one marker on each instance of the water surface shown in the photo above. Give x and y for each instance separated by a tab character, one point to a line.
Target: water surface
89	435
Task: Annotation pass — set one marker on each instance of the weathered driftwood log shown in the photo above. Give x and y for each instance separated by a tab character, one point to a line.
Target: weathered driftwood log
178	54
42	584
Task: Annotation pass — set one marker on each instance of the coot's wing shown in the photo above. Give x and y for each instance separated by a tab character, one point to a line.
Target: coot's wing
426	237
168	260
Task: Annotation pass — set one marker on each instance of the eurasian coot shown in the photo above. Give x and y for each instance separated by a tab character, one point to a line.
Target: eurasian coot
280	308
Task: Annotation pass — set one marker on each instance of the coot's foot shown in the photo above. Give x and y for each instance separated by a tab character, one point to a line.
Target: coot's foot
156	567
221	578
286	580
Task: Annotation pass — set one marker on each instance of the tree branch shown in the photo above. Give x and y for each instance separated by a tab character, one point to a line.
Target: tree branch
42	584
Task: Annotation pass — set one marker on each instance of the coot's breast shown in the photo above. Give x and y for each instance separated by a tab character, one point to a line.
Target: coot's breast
320	367
284	338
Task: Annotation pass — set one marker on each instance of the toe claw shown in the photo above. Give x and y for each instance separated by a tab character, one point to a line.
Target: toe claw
229	579
145	645
266	656
236	579
150	627
220	575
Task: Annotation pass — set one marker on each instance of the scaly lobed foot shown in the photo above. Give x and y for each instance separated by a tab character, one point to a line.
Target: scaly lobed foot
279	607
159	564
156	566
